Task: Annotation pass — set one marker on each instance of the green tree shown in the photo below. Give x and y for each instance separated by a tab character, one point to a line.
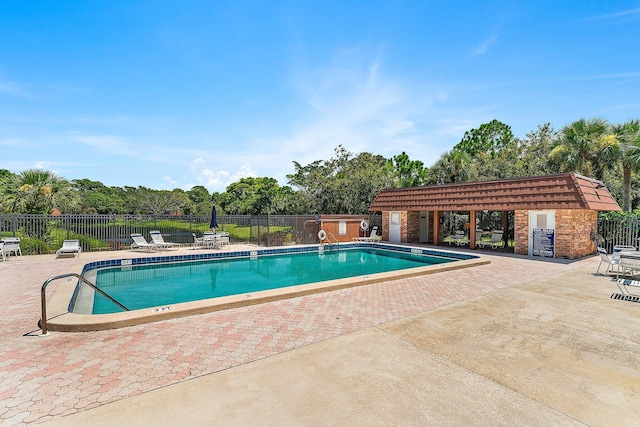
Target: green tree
161	202
488	152
534	154
580	148
97	198
409	173
200	201
37	191
491	138
343	184
250	196
628	137
449	168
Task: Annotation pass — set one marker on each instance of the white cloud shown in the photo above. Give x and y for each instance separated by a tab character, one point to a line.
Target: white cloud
170	183
216	180
486	44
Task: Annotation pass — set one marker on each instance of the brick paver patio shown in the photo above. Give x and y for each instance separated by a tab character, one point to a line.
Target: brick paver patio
44	377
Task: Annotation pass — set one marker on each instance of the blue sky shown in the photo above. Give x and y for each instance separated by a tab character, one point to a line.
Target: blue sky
169	94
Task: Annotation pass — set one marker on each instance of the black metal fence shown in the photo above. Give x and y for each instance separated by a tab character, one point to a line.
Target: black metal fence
44	233
41	234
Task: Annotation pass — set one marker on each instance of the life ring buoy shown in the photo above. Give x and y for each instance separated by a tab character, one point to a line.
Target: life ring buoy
322	235
364	225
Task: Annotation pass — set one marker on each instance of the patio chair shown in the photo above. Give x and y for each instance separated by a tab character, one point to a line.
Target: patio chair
373	236
496	240
629	263
157	239
10	245
69	247
211	239
198	241
223	238
139	242
460	238
609	261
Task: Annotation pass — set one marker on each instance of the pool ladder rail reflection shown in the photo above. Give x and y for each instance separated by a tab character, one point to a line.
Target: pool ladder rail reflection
43	299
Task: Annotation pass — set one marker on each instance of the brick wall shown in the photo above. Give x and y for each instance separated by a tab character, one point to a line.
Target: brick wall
574	229
385	226
521	232
573	232
413	227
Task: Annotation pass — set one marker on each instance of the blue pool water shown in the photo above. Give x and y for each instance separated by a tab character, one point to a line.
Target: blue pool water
154	285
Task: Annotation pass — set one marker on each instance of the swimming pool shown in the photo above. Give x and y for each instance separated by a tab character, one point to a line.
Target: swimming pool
148	286
75	305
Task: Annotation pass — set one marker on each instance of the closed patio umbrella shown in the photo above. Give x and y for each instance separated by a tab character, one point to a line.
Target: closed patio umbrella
214	218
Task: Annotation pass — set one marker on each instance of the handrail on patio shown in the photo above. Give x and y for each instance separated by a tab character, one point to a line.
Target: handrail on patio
43	299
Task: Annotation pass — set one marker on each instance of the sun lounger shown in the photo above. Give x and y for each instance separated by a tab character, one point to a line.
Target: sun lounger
139	242
157	239
223	238
459	238
69	247
211	240
626	286
496	240
198	242
373	236
10	245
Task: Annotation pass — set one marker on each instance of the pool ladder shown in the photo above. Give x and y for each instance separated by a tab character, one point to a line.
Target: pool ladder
43	299
335	241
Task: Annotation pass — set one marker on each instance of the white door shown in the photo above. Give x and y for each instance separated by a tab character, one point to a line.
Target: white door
542	225
394	227
424	227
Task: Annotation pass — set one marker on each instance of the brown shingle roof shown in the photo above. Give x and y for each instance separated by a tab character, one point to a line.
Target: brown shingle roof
561	191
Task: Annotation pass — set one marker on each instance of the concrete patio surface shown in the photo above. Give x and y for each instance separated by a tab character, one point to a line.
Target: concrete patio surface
520	341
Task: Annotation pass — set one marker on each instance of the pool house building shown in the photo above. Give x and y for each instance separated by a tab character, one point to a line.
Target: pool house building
549	216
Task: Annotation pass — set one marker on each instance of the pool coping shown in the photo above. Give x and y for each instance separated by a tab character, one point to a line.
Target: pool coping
60	319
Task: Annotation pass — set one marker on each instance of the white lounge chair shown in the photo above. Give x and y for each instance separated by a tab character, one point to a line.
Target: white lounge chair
69	247
198	242
139	242
496	240
157	239
459	238
10	245
373	236
223	238
625	286
211	240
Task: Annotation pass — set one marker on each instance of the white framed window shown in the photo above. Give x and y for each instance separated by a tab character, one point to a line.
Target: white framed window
395	218
342	228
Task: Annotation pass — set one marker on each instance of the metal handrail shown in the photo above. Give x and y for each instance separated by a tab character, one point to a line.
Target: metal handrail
337	242
43	299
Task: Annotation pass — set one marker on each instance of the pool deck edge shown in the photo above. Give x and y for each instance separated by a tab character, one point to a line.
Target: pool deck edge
61	320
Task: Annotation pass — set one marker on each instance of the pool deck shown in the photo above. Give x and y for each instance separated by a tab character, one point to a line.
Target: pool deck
519	341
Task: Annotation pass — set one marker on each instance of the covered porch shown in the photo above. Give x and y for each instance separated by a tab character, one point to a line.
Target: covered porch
551	216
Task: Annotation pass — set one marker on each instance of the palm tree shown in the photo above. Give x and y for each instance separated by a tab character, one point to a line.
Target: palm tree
36	191
452	166
583	148
628	137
